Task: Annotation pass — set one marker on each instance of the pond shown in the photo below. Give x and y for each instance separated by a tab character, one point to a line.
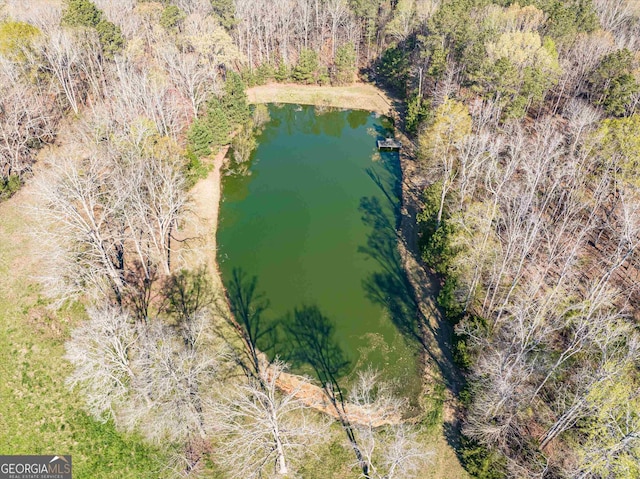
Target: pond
314	220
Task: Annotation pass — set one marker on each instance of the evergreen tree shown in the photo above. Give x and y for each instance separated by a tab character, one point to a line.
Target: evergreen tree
307	68
81	13
612	84
110	37
225	12
264	74
200	138
344	65
417	112
618	141
234	100
218	123
567	18
394	69
171	17
281	75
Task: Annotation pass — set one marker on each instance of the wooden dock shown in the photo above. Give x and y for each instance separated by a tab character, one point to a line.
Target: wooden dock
389	143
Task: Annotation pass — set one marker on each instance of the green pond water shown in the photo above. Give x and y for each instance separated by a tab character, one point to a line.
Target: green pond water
314	219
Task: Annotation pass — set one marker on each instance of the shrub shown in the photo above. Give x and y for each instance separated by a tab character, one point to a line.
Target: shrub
479	461
195	169
9	186
243	144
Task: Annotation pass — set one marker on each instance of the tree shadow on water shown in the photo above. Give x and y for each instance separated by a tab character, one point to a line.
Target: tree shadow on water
257	333
390	286
304	337
310	341
390	184
313	343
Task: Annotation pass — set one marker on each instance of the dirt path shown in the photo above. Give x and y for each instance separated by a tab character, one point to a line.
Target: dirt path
206	196
436	330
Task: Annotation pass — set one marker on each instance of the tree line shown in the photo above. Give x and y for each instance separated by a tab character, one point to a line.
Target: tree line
525	119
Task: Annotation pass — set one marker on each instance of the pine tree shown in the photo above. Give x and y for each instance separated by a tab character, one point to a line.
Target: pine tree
81	13
307	67
84	13
218	123
225	11
110	37
612	84
171	17
200	138
281	75
344	65
235	101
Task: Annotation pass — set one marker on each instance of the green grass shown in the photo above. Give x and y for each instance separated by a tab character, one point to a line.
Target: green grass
38	412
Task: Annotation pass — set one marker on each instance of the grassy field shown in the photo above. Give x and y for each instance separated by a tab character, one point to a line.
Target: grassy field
359	96
38	413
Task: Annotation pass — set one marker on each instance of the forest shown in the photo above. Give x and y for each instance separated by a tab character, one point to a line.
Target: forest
525	145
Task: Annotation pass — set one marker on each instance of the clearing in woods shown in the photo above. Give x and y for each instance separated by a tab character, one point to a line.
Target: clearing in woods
359	96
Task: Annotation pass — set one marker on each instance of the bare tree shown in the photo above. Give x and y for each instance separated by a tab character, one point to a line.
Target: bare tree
136	93
338	12
191	74
100	351
262	429
64	58
146	376
175	373
110	215
84	228
391	452
26	121
613	14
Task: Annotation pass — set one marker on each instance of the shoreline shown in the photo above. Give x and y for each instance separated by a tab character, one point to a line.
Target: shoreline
207	195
